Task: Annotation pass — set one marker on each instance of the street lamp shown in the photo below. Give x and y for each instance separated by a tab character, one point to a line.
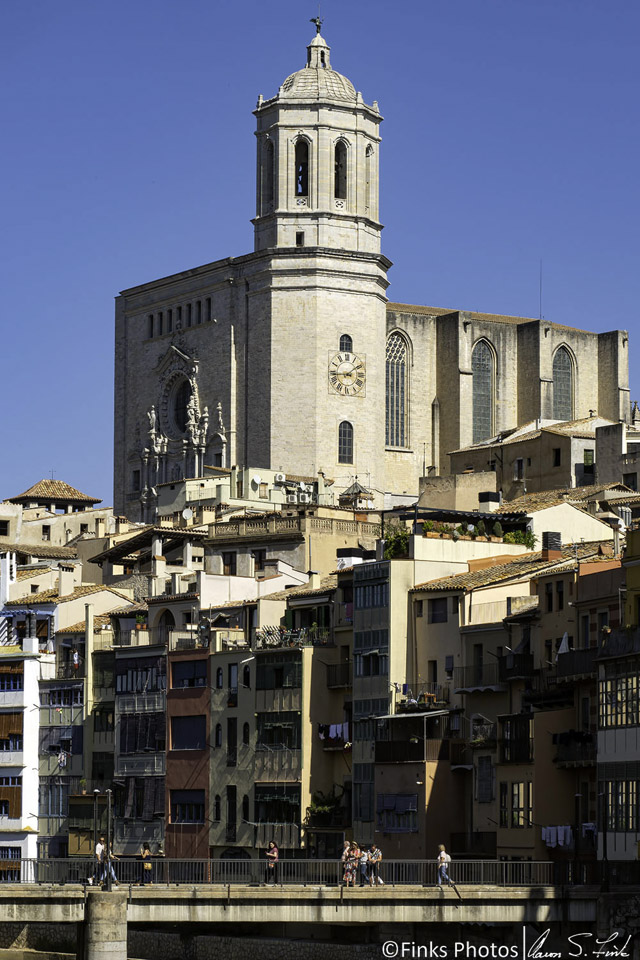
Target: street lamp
96	794
109	840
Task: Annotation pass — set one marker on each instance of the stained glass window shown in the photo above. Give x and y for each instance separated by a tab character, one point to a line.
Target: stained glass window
562	385
483	373
396	399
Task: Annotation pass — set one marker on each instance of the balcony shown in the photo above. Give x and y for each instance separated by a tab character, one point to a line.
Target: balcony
482	676
232	756
515	666
284	699
460	755
575	749
517	750
140	765
273	638
426	696
67	671
277	765
339	675
141	702
576	664
404	751
483	735
230	833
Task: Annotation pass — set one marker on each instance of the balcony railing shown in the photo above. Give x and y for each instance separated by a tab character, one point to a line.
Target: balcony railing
67	671
139	766
142	702
270	638
423	697
339	674
515	666
576	663
480	676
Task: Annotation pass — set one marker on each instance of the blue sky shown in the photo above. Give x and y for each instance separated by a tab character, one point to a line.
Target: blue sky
510	136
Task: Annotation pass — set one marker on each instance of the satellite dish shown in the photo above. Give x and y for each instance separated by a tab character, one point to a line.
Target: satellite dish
256	479
187	513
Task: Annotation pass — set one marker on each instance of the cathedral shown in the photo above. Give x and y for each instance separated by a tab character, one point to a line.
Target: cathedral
293	358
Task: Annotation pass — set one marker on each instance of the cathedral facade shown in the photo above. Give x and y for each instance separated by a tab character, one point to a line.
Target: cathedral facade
292	358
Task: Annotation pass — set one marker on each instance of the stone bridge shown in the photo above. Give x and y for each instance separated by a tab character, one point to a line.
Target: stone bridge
103	918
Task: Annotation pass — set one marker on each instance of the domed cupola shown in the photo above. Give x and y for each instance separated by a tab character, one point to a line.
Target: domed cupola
318	143
318	81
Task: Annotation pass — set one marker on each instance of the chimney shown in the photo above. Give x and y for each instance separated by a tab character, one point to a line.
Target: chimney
100	528
551	545
7	575
66	580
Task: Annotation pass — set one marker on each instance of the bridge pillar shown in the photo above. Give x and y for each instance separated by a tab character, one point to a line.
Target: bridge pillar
104	934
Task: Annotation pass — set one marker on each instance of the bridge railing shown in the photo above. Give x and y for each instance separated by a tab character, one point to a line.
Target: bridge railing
160	870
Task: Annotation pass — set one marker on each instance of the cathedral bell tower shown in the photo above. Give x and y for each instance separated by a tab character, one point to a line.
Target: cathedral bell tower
317	161
316	304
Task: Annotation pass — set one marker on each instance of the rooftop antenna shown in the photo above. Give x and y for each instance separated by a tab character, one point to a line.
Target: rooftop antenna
52	472
318	22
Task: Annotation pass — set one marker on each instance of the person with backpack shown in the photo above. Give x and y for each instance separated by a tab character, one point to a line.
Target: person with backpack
443	862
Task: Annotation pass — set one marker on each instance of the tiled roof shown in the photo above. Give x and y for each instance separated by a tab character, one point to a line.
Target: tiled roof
32	572
41	550
52	596
327	583
100	621
172	597
525	566
532	502
54	490
138	607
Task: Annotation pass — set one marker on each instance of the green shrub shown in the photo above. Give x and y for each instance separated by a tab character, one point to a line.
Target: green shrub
497	529
524	537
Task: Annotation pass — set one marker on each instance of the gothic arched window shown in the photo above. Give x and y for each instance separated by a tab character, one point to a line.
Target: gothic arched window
267	177
302	168
346	343
219	678
368	164
396	392
562	385
340	171
345	442
483	371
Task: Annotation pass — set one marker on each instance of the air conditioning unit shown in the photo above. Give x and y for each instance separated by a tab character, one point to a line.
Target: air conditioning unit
304	498
279	478
291	498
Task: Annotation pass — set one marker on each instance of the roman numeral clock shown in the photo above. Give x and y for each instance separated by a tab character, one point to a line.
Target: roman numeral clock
347	374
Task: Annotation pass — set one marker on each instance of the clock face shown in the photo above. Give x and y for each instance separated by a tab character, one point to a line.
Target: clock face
347	373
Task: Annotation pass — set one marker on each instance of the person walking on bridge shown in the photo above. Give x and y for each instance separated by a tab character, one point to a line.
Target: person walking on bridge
271	869
443	862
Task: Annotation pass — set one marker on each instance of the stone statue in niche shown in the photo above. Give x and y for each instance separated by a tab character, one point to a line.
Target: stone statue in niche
151	415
